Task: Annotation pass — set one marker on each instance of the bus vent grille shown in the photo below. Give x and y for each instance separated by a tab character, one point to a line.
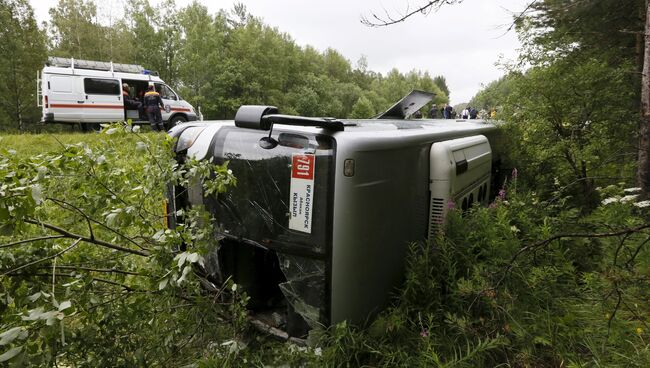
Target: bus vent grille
436	216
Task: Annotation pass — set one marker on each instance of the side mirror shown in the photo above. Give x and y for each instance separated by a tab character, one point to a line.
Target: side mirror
251	116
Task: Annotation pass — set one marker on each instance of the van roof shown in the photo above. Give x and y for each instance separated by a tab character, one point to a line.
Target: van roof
96	65
100	73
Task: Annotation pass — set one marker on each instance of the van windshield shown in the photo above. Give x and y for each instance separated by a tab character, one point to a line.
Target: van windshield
166	92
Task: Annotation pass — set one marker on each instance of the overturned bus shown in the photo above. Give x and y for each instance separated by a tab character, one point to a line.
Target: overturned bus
317	229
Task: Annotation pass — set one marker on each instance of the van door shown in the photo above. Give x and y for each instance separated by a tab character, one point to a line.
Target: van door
171	100
64	98
102	100
137	89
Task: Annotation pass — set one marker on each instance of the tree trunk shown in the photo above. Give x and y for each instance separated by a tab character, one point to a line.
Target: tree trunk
643	172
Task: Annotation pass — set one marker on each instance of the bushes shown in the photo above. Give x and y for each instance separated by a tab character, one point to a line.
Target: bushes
89	275
520	284
531	285
528	281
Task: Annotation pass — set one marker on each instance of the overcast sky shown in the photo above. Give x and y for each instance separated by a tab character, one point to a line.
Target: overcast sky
461	42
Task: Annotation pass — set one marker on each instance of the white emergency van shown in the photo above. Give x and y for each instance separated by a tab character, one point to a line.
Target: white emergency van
90	92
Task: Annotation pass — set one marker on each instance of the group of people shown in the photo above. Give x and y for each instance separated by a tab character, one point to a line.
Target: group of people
447	112
469	112
151	104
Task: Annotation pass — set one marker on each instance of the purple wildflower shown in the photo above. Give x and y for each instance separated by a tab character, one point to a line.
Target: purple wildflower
424	333
514	173
451	205
502	194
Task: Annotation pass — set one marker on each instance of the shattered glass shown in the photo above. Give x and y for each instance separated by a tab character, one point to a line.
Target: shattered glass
305	287
256	213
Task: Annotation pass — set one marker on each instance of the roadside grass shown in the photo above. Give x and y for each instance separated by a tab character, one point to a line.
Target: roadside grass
30	144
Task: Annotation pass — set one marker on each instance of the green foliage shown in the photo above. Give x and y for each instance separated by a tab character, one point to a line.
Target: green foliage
78	30
591	29
441	82
572	113
522	283
22	46
493	96
362	109
572	122
85	255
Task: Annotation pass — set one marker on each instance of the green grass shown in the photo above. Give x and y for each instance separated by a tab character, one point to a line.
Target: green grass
29	144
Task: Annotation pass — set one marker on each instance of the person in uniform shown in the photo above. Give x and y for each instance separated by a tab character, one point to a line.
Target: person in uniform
153	103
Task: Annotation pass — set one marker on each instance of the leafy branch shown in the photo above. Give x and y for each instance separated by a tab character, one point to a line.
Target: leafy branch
86	239
63	204
100	270
31	240
42	259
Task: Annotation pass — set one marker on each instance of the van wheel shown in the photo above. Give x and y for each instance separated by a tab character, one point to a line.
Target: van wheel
178	119
90	127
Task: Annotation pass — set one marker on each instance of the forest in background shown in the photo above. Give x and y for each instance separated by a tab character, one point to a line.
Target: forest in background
554	273
217	62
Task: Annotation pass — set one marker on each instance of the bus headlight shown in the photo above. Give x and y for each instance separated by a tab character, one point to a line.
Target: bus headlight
188	137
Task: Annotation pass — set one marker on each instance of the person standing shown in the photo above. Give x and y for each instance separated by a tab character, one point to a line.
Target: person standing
465	113
473	113
153	103
448	110
433	112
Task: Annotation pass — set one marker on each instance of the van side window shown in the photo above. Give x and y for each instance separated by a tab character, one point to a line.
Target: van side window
166	92
96	86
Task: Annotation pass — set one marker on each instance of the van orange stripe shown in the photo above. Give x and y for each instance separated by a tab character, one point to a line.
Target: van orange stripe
180	109
84	106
